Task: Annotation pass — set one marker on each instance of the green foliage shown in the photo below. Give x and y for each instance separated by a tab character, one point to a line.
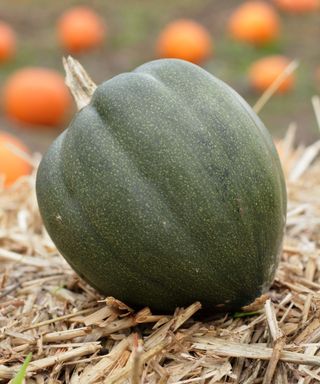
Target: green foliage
18	379
237	315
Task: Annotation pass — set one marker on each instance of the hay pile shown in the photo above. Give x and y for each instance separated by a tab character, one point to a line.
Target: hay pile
77	336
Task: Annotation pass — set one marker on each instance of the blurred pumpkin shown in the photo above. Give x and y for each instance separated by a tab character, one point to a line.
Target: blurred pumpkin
7	42
254	22
263	73
184	39
80	29
298	6
12	166
36	96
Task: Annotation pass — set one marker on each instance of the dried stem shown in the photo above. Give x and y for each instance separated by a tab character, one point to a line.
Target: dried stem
78	81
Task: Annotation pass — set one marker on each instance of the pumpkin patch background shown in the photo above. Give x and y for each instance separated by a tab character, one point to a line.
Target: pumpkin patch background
128	33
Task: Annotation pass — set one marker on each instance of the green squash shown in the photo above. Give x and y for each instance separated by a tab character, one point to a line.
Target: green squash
166	189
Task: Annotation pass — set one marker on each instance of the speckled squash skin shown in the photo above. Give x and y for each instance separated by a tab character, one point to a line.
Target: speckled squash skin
166	189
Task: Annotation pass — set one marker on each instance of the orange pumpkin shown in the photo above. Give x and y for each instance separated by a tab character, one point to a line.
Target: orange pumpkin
185	39
263	73
7	42
12	166
254	22
37	96
298	6
80	29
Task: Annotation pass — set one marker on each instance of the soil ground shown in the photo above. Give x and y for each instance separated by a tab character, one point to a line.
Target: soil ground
133	26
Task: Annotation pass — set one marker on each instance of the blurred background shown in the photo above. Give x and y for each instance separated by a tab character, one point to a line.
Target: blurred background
227	38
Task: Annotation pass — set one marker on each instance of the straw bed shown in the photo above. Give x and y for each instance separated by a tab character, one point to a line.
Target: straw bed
77	336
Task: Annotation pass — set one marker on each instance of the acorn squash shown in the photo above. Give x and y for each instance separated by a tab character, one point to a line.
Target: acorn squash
166	189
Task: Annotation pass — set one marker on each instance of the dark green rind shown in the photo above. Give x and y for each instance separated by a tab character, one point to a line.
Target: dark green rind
166	189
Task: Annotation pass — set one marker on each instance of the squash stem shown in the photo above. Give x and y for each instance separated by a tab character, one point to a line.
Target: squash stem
78	81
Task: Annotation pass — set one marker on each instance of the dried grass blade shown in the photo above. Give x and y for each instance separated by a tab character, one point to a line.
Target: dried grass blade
124	373
93	373
60	318
23	259
251	351
266	96
278	341
304	162
316	107
62	357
